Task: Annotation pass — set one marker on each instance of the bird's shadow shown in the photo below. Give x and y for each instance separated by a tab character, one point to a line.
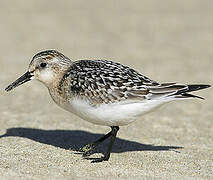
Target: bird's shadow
75	139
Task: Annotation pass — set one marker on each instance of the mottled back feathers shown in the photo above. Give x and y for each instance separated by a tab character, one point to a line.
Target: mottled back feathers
102	81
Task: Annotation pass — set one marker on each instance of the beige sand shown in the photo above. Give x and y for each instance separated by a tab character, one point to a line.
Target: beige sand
166	40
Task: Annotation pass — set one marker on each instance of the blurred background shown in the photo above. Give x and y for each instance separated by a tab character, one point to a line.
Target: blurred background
172	37
169	41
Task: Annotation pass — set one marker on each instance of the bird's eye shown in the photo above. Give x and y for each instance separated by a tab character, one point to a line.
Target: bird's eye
43	65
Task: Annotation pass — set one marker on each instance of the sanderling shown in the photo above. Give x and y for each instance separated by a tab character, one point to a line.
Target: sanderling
101	91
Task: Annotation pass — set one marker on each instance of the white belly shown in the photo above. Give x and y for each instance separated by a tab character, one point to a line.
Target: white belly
116	114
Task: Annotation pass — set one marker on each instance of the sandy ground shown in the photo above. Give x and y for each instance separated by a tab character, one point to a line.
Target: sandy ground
166	40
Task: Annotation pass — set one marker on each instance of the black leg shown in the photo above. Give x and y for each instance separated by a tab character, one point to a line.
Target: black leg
88	148
112	140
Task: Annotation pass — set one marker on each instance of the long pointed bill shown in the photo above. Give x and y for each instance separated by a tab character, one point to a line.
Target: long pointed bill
24	78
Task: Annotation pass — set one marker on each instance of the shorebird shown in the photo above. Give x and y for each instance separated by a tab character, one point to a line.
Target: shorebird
100	91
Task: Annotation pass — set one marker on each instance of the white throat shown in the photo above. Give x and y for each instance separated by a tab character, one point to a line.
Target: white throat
46	76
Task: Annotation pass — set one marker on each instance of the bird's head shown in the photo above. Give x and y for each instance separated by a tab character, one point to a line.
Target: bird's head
45	67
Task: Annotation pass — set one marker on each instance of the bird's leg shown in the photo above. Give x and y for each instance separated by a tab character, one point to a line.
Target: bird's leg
87	149
112	140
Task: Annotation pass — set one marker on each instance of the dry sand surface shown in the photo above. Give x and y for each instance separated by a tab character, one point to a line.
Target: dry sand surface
166	40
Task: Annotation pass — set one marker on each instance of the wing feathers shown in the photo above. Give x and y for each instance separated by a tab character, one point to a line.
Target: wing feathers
174	90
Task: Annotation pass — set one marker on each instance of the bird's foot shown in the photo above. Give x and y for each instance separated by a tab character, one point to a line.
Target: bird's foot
101	159
88	149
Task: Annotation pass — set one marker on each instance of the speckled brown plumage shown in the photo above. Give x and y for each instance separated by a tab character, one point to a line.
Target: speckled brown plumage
103	81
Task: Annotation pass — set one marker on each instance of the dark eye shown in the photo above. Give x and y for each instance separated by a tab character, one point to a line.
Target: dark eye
43	65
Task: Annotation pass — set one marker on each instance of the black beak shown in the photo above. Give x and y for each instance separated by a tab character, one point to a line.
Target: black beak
24	78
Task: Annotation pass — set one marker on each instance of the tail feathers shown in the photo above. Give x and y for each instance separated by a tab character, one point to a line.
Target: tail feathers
184	93
174	90
196	87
